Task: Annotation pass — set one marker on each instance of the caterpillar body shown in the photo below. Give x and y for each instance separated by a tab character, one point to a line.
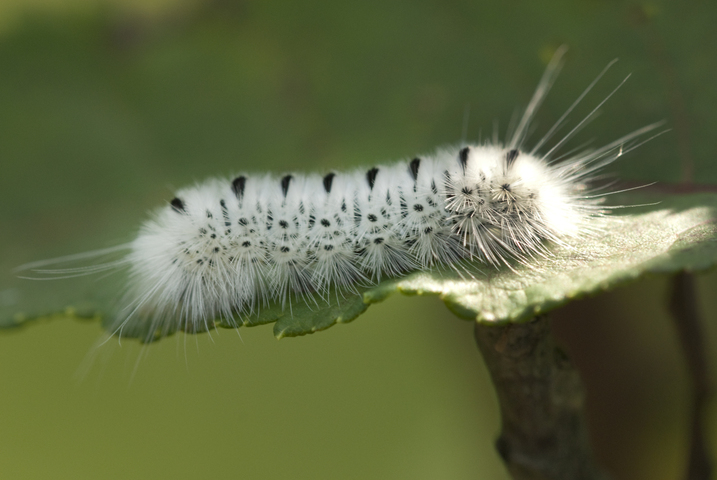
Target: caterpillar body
225	248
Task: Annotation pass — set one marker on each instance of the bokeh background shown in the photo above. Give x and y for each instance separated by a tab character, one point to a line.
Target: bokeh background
107	106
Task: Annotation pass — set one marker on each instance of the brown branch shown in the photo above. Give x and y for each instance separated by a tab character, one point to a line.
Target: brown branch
683	306
544	436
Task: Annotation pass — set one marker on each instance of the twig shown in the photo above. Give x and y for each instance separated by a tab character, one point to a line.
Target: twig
544	436
683	306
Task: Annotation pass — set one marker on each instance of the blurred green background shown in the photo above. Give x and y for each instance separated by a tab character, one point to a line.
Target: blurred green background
106	107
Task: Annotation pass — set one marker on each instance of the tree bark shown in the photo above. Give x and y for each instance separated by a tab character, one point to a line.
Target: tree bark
544	436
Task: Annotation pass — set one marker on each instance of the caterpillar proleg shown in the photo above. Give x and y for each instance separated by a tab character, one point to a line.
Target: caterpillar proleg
224	248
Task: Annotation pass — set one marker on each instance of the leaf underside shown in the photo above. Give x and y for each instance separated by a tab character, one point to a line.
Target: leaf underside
679	233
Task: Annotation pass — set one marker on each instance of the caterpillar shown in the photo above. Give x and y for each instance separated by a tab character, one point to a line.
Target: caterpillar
224	248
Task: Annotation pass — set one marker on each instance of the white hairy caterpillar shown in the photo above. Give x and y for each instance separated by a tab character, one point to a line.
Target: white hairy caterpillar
225	248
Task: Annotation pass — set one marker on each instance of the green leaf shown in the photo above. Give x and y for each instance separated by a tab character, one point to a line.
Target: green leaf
679	233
